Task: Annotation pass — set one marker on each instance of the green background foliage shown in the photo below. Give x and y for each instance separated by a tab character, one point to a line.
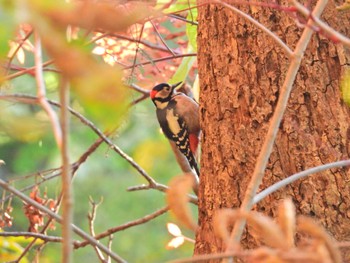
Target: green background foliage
28	147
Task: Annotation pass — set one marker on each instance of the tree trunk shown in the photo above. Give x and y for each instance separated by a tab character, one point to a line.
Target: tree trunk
241	70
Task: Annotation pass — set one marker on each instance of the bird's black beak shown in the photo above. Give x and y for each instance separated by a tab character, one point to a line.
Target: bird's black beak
175	85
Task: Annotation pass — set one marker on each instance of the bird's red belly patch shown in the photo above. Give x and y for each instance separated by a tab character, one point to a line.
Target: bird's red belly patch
193	142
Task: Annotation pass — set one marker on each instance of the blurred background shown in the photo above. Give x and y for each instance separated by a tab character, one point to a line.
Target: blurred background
27	143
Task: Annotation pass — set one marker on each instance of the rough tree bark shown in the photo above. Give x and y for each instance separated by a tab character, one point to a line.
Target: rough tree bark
241	70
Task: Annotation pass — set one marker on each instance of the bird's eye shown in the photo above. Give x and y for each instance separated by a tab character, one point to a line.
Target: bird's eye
167	88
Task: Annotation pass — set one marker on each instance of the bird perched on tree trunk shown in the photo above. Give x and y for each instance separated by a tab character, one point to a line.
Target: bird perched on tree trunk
178	116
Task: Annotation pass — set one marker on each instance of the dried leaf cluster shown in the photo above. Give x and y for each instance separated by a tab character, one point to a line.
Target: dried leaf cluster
289	238
280	237
5	217
34	215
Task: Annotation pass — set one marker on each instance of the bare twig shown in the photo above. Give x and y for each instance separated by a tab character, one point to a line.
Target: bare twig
53	173
161	59
31	72
161	38
42	93
259	25
275	187
194	23
32	99
91	217
335	35
67	201
78	231
110	241
266	149
160	187
127	225
136	51
18	48
138	100
139	89
25	71
40	236
143	42
75	166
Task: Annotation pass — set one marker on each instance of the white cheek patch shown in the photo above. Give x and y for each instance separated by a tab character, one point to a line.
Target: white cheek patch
161	105
174	125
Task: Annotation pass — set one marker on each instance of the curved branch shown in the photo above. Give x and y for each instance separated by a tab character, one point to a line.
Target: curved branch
138	100
139	89
75	166
23	40
183	19
58	218
161	59
25	71
270	137
41	92
126	225
143	42
33	99
161	38
275	187
336	36
52	173
66	188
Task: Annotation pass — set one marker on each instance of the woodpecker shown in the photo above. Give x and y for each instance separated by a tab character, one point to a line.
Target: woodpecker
178	116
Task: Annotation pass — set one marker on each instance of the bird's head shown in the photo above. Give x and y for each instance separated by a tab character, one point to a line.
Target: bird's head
163	92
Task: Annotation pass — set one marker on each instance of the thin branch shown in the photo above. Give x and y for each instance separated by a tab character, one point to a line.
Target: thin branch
32	99
162	188
37	174
138	100
23	40
20	69
161	59
91	218
143	42
110	241
136	222
267	147
42	93
136	51
259	25
203	3
152	184
183	19
74	167
40	236
46	210
25	71
53	173
275	187
336	36
139	89
44	228
93	40
67	202
161	38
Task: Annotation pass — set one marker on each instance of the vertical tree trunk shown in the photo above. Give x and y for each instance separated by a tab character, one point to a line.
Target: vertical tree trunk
241	70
